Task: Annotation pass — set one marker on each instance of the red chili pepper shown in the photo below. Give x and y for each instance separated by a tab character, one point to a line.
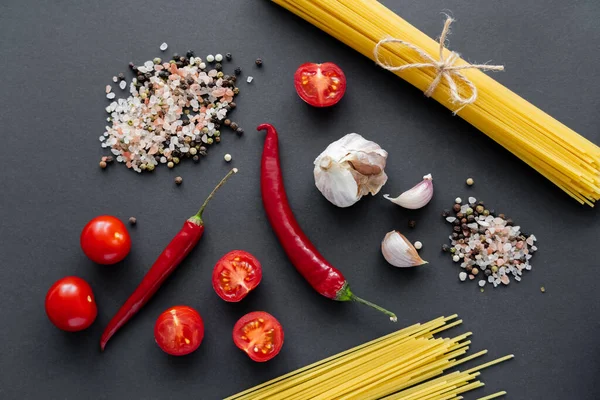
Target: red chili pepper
179	247
322	276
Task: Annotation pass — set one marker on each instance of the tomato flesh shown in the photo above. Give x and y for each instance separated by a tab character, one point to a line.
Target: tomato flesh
235	275
259	334
179	330
320	85
105	240
70	304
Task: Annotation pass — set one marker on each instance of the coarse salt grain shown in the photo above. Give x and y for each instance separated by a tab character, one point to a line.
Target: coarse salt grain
110	96
472	200
462	276
123	85
249	79
482	283
164	46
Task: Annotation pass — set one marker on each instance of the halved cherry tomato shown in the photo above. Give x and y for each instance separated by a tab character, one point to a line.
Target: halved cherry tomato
320	85
179	330
105	240
235	275
70	304
259	334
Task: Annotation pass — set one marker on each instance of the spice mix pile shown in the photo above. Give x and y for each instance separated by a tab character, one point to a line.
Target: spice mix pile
489	247
175	110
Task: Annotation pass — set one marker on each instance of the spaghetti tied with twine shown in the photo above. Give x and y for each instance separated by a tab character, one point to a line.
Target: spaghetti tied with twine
444	67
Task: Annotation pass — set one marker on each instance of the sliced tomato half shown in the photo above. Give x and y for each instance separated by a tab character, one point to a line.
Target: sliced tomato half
320	85
235	275
259	334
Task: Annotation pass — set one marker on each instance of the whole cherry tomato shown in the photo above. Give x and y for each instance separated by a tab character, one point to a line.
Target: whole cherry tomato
259	334
70	304
235	275
320	85
105	240
179	330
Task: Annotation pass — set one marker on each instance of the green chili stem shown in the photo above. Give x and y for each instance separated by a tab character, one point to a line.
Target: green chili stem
197	218
392	316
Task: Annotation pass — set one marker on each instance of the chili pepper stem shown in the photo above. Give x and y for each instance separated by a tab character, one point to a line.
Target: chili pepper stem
197	218
345	294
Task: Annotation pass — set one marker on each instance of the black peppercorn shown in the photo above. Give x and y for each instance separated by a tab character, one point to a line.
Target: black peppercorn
460	215
412	223
189	54
179	64
463	220
454	235
456	222
239	131
227	108
509	222
456	229
196	159
238	71
121	76
461	237
218	66
469	268
228	56
176	56
218	139
445	248
234	126
232	105
258	62
487	272
464	227
456	208
445	213
131	65
141	78
471	218
233	79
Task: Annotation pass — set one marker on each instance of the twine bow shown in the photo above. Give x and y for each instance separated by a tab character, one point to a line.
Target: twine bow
444	66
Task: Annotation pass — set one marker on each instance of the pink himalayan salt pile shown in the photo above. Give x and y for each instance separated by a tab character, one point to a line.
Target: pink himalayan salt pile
492	247
173	114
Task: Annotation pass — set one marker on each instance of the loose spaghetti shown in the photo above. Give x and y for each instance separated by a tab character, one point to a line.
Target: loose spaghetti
405	365
564	157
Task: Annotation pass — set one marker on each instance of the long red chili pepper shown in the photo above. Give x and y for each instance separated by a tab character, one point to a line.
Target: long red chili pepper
322	276
179	247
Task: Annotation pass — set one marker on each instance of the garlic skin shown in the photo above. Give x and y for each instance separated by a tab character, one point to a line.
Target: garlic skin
416	197
399	252
350	168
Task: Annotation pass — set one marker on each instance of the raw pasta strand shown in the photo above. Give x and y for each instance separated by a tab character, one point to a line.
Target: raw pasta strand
558	153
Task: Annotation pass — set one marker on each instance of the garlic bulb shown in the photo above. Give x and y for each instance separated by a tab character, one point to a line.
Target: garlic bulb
416	197
350	168
399	252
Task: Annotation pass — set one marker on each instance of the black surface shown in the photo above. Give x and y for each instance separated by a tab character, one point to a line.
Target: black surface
57	56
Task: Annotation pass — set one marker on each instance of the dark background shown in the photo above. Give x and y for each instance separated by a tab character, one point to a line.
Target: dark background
56	58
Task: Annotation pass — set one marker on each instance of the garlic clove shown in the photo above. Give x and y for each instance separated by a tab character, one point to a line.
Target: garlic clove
399	252
337	185
416	197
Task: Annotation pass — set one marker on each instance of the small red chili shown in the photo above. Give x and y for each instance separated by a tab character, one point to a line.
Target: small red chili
175	252
322	276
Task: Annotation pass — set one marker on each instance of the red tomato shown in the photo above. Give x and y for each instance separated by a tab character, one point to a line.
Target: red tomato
320	85
70	304
105	240
179	330
259	334
235	275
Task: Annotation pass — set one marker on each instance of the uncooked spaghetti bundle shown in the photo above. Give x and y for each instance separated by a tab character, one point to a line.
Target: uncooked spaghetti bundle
566	158
410	364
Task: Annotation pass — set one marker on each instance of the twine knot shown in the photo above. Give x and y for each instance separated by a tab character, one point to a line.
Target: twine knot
444	67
